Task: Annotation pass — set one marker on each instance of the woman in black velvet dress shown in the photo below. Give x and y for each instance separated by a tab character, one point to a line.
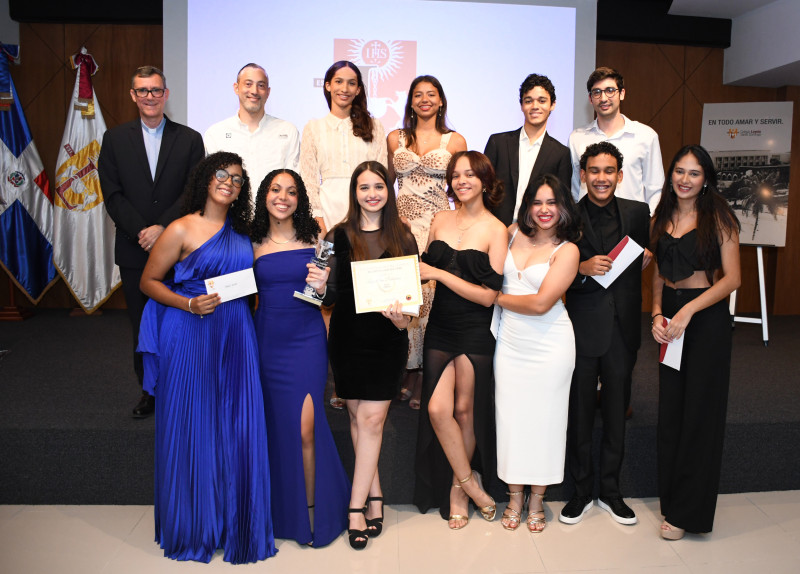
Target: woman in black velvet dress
465	254
367	351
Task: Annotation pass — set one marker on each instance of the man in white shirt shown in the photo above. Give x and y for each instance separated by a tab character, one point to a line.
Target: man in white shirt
265	143
644	171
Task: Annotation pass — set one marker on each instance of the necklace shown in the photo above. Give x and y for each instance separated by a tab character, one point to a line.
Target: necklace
464	229
281	242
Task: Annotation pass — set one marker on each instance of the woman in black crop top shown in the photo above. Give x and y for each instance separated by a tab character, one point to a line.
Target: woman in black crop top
695	237
465	253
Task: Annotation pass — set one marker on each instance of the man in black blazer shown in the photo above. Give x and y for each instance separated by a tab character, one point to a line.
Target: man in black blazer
521	156
607	324
143	166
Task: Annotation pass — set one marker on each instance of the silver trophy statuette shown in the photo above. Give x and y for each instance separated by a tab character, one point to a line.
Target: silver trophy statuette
324	250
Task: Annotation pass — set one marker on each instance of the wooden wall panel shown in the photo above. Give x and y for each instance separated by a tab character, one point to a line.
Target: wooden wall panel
45	81
666	88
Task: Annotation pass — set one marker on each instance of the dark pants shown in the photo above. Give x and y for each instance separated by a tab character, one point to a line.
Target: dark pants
614	369
135	300
692	405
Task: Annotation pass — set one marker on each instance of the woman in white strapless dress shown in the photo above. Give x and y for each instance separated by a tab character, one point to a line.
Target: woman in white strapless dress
418	158
535	352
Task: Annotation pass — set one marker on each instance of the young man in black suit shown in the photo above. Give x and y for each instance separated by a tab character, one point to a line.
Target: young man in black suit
522	155
143	166
607	325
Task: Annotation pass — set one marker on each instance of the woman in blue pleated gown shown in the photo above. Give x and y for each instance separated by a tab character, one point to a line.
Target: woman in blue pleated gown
201	364
310	489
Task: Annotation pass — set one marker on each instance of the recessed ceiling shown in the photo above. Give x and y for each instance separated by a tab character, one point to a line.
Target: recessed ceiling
715	8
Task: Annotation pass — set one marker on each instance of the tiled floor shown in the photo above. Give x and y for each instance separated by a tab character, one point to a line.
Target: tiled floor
754	533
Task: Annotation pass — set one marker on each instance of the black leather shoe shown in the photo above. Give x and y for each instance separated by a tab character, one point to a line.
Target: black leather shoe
618	510
145	408
573	511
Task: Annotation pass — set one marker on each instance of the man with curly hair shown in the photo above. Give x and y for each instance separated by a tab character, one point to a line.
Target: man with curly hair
143	166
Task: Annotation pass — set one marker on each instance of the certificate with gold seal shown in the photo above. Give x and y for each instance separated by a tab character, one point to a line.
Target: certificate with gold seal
377	283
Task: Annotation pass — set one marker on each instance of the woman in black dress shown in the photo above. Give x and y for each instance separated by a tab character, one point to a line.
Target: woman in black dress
465	254
368	351
695	238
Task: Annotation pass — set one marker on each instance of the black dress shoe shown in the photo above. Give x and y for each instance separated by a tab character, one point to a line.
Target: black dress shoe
618	510
145	408
573	511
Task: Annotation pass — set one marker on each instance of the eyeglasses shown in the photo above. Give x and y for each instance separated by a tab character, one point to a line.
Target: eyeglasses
609	92
223	176
155	92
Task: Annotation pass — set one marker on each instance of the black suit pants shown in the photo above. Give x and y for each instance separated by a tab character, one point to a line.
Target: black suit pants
135	301
614	368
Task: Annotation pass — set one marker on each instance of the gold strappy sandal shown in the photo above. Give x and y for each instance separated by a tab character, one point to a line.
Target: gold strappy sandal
489	511
511	518
533	521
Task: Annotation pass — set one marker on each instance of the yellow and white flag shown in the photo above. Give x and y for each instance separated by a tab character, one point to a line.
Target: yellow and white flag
83	233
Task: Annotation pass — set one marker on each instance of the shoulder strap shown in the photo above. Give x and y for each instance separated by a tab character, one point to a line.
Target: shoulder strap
556	249
513	237
445	140
401	138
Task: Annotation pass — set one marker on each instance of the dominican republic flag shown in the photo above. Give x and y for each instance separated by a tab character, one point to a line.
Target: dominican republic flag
26	202
83	234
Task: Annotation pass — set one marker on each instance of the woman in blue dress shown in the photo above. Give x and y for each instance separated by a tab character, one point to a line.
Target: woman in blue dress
309	485
201	364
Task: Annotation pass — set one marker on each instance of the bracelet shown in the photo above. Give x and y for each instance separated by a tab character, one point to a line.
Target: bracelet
653	318
190	306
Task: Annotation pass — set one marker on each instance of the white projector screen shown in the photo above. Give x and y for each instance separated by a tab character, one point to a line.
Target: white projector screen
479	51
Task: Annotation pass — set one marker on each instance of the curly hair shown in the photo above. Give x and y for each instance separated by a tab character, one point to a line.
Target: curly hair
359	115
599	148
480	164
200	178
410	120
714	216
305	226
569	224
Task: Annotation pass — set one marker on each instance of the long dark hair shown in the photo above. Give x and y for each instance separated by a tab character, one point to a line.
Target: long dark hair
393	230
568	227
305	226
714	215
480	164
196	191
410	119
359	115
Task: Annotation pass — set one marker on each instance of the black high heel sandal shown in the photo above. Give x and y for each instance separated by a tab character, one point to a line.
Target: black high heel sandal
353	535
375	525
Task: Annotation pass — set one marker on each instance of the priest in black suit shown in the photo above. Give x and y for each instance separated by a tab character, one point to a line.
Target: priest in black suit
519	157
143	167
607	325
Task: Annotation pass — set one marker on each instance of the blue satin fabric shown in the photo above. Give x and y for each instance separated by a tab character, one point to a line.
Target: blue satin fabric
294	364
211	462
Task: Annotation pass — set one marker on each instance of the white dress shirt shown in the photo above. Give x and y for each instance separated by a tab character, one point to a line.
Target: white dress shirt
274	145
528	152
643	171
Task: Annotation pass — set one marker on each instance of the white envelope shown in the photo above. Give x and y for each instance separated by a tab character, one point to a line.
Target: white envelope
670	353
233	285
623	255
